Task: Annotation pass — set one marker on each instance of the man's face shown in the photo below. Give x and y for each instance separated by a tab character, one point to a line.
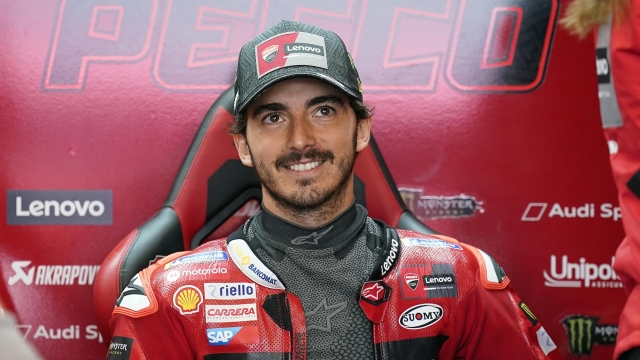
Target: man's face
302	137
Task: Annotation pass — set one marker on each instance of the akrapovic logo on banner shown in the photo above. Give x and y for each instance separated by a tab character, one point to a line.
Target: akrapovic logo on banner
59	207
29	274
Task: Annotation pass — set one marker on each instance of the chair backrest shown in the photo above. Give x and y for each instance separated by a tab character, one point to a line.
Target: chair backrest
211	186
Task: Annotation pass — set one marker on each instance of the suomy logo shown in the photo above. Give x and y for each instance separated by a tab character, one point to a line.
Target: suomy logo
420	316
53	207
52	274
568	274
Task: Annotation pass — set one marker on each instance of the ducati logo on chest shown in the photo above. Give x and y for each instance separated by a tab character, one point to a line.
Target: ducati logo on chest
412	280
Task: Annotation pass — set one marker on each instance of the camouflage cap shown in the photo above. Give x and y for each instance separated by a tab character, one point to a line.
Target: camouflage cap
292	49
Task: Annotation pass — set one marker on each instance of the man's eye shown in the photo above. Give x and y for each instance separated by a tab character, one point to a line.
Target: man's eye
324	111
272	119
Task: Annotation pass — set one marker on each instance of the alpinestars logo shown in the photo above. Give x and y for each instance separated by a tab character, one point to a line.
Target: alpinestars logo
311	238
52	274
581	273
584	332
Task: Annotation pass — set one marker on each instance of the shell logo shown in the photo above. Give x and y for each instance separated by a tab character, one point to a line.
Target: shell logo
187	299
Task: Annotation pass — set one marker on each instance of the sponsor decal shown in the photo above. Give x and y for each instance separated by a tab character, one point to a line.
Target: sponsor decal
311	238
120	348
59	207
133	297
52	274
375	292
231	313
254	268
187	299
581	273
198	258
584	332
431	243
299	48
173	275
232	335
528	313
72	332
391	257
544	340
535	211
438	207
427	281
602	66
411	279
420	316
269	53
229	291
156	259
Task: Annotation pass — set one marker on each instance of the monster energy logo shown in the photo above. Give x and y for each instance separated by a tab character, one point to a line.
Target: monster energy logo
584	332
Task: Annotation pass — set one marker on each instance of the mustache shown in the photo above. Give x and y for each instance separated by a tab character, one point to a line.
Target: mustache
312	154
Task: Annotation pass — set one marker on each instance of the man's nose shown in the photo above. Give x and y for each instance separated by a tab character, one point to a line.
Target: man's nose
301	134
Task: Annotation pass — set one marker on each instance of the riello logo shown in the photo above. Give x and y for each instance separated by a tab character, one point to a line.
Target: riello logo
59	207
564	273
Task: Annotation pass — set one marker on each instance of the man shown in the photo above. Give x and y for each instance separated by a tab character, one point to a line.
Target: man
312	276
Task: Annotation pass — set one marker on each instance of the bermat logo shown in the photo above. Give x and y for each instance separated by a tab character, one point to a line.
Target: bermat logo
59	207
536	210
52	274
582	273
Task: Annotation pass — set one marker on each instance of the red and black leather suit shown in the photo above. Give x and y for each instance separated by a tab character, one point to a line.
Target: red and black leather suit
163	313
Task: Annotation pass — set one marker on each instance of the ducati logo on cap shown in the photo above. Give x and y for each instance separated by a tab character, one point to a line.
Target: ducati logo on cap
412	280
270	53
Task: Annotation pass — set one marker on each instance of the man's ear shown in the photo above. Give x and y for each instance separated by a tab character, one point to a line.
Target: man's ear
363	133
243	149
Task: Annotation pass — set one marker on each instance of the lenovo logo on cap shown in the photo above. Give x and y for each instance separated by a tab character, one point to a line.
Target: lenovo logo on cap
59	207
300	48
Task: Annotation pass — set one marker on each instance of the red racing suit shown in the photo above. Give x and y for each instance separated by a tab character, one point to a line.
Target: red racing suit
221	301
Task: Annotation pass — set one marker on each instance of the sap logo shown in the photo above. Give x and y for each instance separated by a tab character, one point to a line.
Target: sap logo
420	316
221	336
581	273
229	291
52	274
535	211
48	207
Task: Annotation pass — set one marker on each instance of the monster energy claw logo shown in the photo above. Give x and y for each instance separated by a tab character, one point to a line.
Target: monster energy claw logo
584	332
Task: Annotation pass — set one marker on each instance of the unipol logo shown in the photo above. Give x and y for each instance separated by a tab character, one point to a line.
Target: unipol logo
65	207
582	273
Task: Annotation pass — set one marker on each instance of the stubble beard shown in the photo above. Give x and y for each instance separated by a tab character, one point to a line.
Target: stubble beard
308	202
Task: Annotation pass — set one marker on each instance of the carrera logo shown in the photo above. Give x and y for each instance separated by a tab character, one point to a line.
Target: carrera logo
412	280
420	316
270	53
187	299
231	313
53	207
52	274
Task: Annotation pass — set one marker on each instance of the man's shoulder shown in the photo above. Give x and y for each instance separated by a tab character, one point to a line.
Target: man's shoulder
175	276
469	261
